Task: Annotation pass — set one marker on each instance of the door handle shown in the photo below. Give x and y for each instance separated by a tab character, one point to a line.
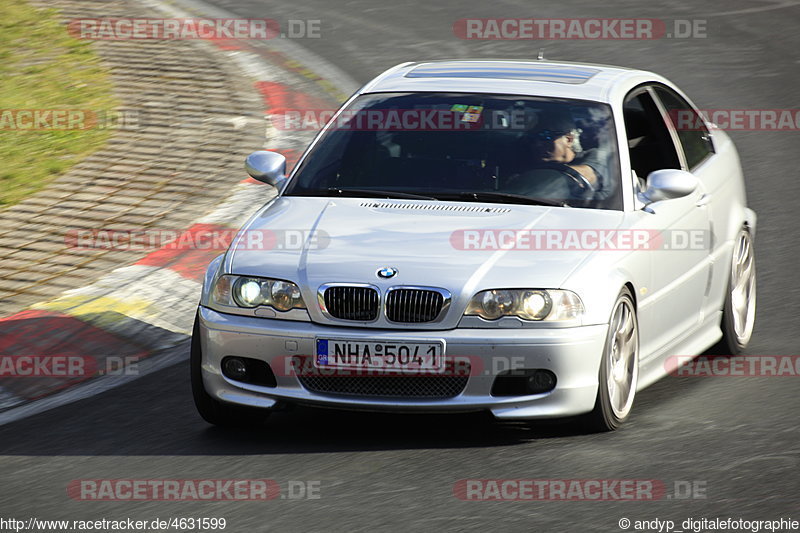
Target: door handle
704	200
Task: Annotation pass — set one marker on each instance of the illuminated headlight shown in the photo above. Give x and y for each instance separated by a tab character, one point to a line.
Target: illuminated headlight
248	292
528	304
252	292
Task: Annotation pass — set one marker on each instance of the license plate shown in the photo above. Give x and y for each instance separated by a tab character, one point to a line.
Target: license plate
403	356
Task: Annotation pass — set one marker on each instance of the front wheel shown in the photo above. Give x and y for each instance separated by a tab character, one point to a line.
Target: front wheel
619	367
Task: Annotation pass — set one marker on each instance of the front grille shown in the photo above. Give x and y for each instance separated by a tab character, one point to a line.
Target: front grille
413	305
352	303
394	386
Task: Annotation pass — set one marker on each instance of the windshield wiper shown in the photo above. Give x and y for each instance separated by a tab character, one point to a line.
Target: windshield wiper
374	193
509	198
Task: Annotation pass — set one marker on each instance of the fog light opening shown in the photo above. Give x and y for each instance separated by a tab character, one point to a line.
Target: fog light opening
234	368
523	382
248	370
541	381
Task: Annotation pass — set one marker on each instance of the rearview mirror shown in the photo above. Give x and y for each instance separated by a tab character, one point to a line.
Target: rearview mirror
668	184
266	166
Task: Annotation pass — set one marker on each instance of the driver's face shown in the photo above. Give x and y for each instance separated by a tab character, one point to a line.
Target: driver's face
551	148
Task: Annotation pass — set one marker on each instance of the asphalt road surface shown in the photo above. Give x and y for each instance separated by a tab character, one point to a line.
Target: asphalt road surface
734	440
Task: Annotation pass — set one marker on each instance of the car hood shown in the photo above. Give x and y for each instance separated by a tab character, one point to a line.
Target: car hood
313	241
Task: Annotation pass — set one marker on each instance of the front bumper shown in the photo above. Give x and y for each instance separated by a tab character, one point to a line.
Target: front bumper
573	354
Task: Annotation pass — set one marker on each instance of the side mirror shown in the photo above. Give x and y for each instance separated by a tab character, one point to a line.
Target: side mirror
269	167
668	184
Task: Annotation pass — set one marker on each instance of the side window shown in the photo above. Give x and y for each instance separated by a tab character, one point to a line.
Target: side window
649	141
691	128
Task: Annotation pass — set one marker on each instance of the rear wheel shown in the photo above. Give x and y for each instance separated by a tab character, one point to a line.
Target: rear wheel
213	411
619	368
739	309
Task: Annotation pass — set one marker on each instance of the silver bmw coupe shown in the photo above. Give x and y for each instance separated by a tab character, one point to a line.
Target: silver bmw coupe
531	238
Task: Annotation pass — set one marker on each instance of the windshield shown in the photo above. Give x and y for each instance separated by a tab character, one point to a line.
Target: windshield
467	147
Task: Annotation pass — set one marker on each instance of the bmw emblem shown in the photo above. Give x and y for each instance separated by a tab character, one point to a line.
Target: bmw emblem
387	272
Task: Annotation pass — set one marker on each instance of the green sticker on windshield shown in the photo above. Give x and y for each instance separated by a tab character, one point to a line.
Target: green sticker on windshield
461	108
473	114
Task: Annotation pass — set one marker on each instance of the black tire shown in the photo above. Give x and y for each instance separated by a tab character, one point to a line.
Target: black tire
733	343
214	411
605	417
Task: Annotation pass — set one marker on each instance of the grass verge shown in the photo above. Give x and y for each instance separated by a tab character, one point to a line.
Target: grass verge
43	68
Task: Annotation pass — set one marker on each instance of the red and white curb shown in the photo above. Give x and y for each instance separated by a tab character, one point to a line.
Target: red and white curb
135	314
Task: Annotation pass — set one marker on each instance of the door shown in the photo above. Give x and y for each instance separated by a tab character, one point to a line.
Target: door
672	303
715	172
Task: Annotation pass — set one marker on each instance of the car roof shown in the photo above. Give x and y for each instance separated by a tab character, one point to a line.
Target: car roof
524	77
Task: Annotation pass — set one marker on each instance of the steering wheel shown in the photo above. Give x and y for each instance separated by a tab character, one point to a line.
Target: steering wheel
583	184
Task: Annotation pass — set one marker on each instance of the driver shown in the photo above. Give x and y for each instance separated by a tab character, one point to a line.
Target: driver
556	139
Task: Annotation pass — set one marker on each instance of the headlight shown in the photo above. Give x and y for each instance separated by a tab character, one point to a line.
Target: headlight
528	304
249	292
285	295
